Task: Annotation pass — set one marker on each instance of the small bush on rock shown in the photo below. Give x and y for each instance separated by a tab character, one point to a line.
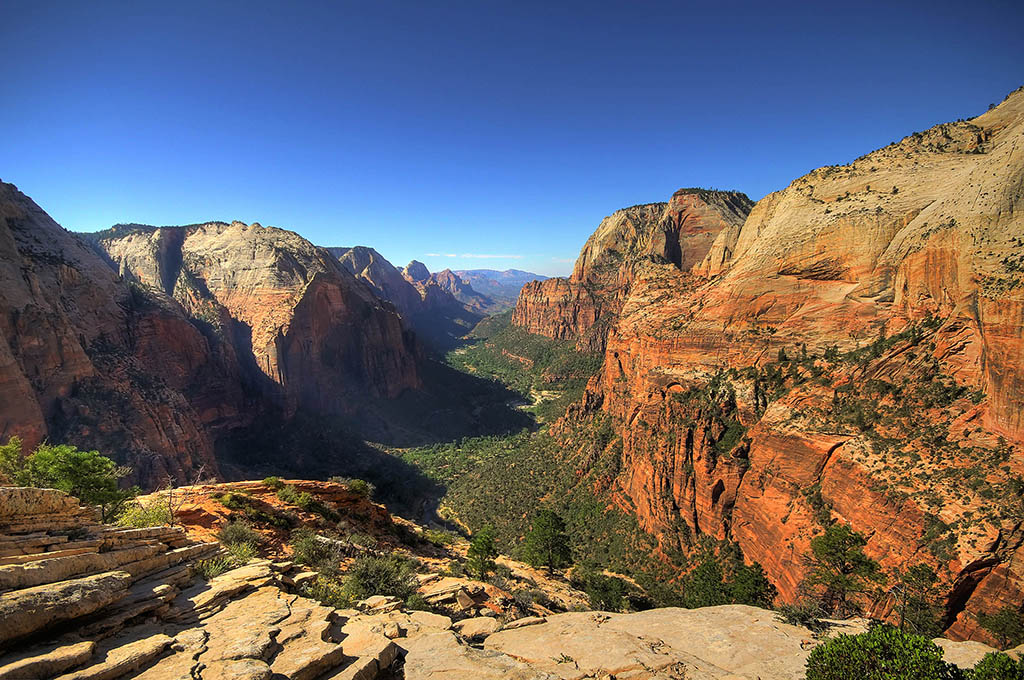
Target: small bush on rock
139	516
997	666
319	555
387	575
882	653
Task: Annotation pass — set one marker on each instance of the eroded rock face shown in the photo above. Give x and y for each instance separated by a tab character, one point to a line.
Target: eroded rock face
320	339
918	243
584	306
430	304
87	360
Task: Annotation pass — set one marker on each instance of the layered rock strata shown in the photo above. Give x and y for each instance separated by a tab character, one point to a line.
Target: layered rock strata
849	352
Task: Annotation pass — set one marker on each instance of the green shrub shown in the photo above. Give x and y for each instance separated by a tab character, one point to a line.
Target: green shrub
214	566
274	483
998	666
882	653
241	553
234	500
840	569
481	554
365	540
139	516
439	537
803	613
387	575
417	602
305	501
606	593
1006	625
319	555
547	544
238	533
86	475
327	591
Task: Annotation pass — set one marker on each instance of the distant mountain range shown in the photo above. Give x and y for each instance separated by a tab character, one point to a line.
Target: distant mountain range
501	286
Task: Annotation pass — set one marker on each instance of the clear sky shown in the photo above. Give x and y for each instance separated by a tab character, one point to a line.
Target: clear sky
450	131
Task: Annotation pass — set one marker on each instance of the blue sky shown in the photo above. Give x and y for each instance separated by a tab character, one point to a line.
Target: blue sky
446	131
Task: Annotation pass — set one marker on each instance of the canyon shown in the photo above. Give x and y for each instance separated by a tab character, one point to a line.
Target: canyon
847	349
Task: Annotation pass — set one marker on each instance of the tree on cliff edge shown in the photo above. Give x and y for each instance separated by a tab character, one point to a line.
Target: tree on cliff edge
87	475
840	569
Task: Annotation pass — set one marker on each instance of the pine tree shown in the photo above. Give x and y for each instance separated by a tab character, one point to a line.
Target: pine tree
547	544
482	551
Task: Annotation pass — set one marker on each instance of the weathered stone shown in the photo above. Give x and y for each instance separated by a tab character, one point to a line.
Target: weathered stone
123	659
38	664
523	622
26	611
479	627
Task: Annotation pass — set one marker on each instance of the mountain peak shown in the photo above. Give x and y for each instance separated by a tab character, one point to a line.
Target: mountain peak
416	271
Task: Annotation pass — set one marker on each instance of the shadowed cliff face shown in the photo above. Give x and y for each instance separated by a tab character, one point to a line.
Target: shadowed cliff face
208	330
429	304
893	288
86	359
318	338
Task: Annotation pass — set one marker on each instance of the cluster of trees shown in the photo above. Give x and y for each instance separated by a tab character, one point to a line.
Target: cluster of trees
87	475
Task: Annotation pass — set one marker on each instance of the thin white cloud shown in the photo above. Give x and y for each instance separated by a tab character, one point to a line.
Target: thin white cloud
477	256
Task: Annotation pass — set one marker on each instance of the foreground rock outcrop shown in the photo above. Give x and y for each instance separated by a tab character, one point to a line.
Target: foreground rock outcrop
82	601
851	351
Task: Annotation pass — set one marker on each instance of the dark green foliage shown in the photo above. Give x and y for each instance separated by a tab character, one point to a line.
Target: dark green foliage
547	544
274	483
917	600
723	578
750	585
320	555
840	569
305	501
360	487
804	613
481	554
387	575
236	533
705	585
998	666
87	475
882	653
1006	625
417	602
528	364
608	593
234	500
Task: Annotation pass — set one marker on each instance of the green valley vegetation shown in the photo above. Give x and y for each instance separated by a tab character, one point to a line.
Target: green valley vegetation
87	475
544	490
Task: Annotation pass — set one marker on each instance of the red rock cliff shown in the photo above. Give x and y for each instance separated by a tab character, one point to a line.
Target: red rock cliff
583	307
319	339
851	352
